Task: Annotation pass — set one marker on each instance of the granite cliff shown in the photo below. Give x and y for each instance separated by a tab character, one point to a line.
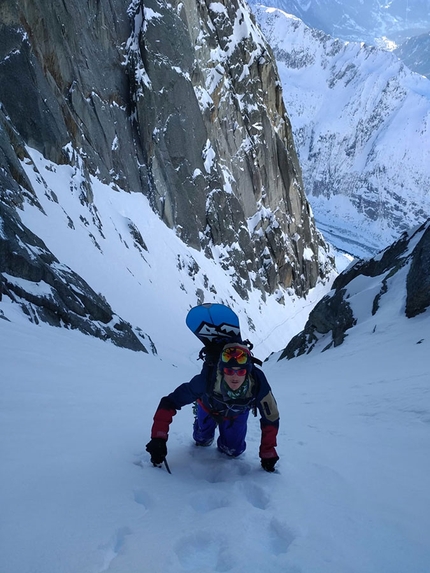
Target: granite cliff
179	101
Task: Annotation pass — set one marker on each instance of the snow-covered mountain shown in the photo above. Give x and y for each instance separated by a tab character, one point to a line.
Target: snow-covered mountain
370	21
361	123
98	235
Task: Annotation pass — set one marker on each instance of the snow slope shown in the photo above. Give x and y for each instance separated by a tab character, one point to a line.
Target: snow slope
78	493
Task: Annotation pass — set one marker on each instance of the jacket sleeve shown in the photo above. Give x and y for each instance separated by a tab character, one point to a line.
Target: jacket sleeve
269	421
184	394
268	443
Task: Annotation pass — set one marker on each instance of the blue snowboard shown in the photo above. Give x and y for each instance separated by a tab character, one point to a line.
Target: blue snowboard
214	324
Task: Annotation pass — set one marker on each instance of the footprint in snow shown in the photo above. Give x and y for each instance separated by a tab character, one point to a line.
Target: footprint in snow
142	498
113	547
206	501
204	550
215	467
280	537
255	495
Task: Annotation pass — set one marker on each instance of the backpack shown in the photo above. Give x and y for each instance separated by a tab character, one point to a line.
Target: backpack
216	325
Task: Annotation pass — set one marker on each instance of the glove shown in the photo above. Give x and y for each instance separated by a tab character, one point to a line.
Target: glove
157	449
268	464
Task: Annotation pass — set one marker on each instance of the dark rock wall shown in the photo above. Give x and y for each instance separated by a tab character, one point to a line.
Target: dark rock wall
418	281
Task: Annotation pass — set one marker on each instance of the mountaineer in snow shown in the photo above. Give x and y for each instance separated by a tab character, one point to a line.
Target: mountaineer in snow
223	396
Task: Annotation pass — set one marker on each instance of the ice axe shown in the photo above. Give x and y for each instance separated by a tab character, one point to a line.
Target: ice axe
167	466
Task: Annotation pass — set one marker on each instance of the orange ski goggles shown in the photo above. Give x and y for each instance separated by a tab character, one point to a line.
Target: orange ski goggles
238	355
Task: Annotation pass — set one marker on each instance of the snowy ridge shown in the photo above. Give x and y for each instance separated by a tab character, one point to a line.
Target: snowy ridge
415	53
361	122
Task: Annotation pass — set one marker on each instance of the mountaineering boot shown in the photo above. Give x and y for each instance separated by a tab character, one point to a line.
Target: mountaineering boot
205	444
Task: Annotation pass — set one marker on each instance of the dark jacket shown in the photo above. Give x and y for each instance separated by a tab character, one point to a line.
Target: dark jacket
206	388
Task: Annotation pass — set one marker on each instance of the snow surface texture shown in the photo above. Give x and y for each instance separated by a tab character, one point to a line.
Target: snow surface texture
361	126
79	494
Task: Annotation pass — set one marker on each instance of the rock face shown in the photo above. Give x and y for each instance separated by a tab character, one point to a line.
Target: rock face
50	292
404	263
219	144
418	280
179	101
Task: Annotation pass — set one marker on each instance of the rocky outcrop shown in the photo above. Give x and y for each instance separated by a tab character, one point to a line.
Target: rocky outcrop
48	291
179	101
418	280
240	162
408	259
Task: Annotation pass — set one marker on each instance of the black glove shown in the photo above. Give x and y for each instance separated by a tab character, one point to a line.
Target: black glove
268	464
157	449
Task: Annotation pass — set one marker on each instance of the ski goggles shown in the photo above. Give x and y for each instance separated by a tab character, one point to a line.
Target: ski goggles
240	356
232	371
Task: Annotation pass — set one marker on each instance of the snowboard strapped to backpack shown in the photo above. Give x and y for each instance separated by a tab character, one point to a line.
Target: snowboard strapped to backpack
215	325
